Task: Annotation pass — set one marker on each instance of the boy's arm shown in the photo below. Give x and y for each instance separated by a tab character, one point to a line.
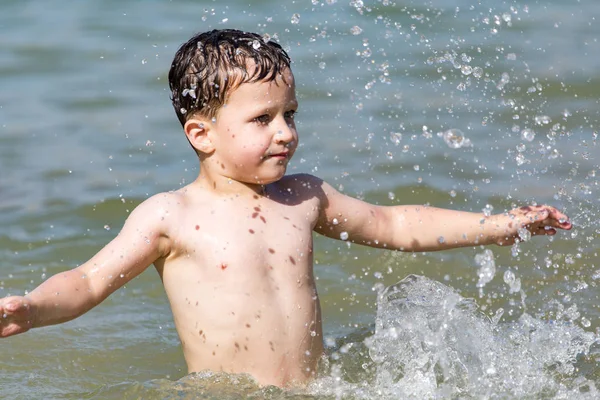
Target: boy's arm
423	228
70	294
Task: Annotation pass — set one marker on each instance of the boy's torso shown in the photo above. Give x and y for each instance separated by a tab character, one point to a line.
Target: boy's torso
240	282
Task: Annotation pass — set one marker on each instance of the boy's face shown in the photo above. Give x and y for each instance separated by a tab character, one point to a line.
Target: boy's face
254	133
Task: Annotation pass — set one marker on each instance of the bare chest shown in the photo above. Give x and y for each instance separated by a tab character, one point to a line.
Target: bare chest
248	239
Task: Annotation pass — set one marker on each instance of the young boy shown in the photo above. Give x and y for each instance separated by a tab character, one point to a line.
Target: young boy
234	248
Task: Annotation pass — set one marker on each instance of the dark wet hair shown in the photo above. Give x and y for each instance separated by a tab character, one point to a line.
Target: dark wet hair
210	65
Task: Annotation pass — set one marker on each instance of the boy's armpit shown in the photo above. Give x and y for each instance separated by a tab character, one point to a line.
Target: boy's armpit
343	217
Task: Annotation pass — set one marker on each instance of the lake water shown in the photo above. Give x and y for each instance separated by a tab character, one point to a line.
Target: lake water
461	104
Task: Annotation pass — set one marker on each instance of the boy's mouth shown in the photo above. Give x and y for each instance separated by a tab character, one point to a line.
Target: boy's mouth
281	156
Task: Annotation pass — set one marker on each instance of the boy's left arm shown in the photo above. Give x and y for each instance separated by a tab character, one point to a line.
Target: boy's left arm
415	228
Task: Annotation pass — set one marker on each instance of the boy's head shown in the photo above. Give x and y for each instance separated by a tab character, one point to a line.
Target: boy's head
208	67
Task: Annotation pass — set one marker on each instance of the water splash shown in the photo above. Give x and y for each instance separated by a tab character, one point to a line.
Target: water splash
430	342
487	269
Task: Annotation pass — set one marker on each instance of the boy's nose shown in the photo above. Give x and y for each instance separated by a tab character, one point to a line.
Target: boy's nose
284	133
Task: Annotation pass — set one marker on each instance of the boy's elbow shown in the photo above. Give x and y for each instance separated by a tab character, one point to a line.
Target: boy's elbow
398	233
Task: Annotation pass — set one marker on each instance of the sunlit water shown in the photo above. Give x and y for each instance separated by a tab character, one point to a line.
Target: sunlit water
476	105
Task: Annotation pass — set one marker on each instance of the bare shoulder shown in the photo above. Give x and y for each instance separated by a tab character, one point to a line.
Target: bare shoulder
155	220
161	204
158	211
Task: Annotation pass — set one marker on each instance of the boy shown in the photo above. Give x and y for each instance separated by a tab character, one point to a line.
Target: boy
234	248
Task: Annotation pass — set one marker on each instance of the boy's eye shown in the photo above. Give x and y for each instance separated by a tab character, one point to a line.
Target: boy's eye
263	119
291	114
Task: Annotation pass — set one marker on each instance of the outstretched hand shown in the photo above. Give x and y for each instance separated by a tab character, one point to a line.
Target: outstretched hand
526	221
16	316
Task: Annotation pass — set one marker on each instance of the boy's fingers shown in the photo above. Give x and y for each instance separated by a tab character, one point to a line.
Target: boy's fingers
551	217
562	223
12	306
559	217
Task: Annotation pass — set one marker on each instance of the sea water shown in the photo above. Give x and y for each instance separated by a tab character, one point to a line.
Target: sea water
474	105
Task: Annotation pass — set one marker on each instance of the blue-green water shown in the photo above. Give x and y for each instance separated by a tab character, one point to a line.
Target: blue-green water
87	132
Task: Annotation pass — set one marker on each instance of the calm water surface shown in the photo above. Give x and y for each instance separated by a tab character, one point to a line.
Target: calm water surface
462	104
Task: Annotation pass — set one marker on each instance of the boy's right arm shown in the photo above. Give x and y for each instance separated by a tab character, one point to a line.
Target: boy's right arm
70	294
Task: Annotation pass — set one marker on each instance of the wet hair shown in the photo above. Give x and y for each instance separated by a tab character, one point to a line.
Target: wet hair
209	66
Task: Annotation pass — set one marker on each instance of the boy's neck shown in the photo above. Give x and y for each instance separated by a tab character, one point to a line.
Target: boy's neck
225	186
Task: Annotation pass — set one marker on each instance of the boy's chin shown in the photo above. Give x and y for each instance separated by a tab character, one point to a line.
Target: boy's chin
266	180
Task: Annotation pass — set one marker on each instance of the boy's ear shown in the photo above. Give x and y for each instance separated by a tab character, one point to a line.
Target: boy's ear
197	131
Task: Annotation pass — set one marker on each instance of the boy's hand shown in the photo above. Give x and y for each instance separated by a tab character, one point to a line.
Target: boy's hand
16	316
530	221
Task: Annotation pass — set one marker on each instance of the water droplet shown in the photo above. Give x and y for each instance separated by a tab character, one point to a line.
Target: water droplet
256	45
107	227
509	277
514	283
542	119
391	195
395	137
487	210
330	341
295	19
190	92
487	268
344	235
524	234
455	139
356	30
527	134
